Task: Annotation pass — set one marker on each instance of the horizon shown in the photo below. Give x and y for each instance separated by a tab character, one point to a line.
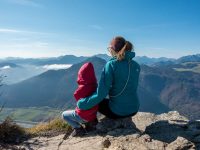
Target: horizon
4	58
43	29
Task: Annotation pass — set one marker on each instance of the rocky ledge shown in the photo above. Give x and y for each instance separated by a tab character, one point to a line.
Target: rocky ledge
144	131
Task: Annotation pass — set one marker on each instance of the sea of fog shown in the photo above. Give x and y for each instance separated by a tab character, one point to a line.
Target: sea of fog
16	74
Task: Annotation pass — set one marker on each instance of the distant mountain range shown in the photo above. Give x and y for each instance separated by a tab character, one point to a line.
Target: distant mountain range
67	59
7	64
161	88
149	61
189	58
53	88
71	59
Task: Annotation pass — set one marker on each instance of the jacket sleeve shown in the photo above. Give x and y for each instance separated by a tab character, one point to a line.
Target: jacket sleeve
102	91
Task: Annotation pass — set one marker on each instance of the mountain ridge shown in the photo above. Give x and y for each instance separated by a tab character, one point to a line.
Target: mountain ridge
72	59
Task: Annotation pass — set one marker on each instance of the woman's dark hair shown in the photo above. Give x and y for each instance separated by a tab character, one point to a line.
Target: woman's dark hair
119	45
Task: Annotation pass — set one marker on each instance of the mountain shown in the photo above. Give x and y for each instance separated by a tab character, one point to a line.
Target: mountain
164	63
53	88
19	69
18	74
150	61
179	90
71	59
142	59
17	60
161	88
7	64
189	58
66	59
103	56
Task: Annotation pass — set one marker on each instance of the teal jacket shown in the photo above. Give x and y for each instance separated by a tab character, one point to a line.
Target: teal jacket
113	79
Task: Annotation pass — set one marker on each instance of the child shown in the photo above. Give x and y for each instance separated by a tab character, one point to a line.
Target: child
87	84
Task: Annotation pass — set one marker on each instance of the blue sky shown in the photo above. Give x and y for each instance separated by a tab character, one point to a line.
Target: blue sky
46	28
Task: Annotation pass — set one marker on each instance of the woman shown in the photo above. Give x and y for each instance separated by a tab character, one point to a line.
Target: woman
119	80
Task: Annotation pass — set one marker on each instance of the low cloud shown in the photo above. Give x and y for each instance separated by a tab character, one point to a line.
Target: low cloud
57	66
5	67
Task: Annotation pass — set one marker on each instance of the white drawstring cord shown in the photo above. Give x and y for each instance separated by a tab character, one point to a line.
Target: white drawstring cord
129	72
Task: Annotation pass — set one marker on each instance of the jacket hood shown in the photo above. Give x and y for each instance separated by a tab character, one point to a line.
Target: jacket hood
86	74
129	55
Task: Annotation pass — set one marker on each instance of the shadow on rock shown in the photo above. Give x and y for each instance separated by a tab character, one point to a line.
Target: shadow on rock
168	132
33	142
116	127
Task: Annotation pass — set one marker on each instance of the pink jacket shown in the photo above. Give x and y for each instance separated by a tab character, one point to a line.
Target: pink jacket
87	84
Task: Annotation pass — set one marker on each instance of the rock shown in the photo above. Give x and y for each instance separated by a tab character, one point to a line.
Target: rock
115	127
146	138
144	131
105	125
142	120
181	144
172	115
165	131
106	143
22	148
155	144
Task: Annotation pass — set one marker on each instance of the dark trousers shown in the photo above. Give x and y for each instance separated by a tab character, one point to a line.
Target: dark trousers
105	110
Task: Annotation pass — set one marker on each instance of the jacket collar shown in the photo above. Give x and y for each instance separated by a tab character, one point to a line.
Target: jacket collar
128	55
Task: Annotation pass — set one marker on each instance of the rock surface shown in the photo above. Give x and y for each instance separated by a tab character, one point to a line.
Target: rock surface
144	131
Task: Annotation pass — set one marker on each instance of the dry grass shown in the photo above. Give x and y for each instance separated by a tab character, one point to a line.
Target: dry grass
55	125
11	132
